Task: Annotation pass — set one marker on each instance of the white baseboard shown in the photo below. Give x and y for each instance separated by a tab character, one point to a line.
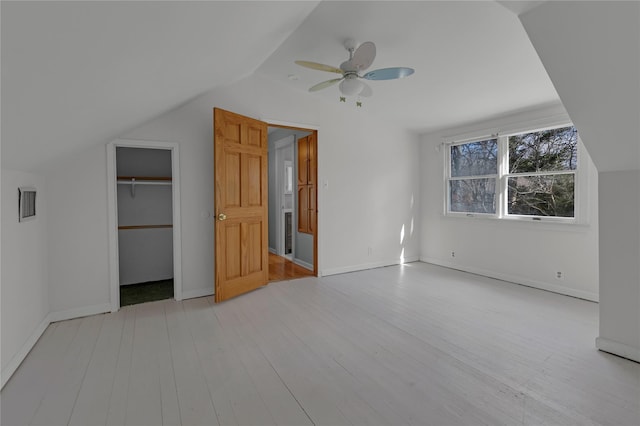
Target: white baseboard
304	264
617	348
272	251
199	292
364	266
79	312
580	294
17	359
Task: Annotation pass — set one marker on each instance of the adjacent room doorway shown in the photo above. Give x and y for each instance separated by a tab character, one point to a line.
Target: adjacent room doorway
292	202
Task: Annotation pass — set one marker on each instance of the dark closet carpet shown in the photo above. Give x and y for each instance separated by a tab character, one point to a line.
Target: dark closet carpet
146	292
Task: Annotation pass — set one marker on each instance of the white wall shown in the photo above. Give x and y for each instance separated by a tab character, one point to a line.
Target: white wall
523	252
620	263
77	234
24	292
591	51
371	169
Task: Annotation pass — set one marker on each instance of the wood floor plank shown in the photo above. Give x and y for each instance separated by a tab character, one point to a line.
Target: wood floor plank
92	404
237	390
118	399
144	395
406	345
277	398
62	391
319	390
196	406
21	396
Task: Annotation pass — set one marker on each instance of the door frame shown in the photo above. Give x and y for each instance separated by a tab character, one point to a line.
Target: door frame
319	199
112	214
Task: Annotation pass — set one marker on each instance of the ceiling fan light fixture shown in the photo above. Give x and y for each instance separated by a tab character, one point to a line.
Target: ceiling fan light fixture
351	86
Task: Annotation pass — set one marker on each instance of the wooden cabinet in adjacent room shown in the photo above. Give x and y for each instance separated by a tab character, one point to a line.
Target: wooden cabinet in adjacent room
307	188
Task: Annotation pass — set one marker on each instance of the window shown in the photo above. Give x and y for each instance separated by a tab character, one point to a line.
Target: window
474	172
525	175
542	169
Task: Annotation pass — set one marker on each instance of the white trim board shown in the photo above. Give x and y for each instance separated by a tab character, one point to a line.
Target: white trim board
17	359
79	312
199	292
372	265
566	291
618	349
305	265
112	216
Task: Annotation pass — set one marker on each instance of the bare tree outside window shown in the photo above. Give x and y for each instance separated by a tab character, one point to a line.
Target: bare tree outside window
541	179
473	171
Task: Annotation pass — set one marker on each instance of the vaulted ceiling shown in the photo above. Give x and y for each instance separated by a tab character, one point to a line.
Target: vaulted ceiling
77	74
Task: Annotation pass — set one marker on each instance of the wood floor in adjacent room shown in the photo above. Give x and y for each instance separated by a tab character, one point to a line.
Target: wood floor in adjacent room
281	269
414	344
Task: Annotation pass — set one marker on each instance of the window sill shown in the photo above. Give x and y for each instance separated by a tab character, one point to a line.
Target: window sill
550	224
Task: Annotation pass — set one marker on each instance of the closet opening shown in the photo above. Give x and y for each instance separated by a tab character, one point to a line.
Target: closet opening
145	237
144	212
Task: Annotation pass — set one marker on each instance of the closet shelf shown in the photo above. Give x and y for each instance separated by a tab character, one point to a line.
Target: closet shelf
143	180
143	227
153	178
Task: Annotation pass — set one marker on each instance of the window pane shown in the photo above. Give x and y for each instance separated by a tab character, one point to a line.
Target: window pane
548	150
475	158
472	195
549	195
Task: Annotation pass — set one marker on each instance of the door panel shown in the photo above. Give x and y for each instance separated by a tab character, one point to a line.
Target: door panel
233	179
254	189
303	155
303	202
241	239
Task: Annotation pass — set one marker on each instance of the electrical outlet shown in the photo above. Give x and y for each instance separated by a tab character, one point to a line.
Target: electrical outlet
453	254
559	275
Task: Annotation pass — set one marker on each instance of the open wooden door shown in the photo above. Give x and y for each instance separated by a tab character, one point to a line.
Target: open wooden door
241	231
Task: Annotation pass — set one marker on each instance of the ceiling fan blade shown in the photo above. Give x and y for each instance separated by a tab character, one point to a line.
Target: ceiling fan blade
364	55
367	91
324	84
388	73
320	67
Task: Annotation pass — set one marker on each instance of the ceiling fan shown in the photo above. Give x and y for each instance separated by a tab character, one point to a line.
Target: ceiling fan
359	60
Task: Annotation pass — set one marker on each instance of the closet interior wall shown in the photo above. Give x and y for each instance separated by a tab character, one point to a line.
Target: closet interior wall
145	232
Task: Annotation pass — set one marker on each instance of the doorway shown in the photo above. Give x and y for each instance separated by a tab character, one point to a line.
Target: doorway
292	202
241	193
144	225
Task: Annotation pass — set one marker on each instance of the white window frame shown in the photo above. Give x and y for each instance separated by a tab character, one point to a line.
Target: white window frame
580	180
449	178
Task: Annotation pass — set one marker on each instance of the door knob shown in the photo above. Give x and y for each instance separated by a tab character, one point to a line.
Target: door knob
222	216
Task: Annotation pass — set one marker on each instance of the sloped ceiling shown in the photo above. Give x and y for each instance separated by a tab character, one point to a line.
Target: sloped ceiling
77	74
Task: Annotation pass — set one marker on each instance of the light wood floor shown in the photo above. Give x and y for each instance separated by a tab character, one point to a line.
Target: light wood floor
413	344
281	269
